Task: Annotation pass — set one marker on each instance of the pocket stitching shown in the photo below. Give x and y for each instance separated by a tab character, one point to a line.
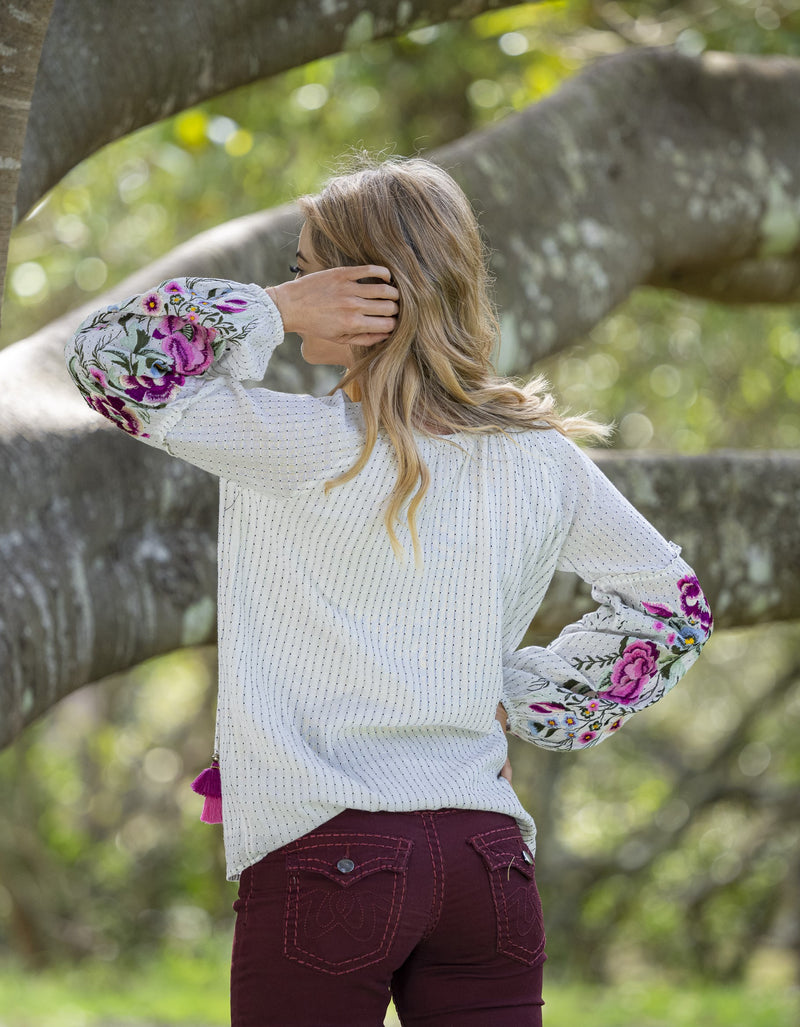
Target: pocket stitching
505	943
402	849
486	850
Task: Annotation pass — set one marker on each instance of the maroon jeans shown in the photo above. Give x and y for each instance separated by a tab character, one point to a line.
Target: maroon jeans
438	907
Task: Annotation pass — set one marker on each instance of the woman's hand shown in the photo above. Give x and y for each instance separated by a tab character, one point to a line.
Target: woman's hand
502	716
333	306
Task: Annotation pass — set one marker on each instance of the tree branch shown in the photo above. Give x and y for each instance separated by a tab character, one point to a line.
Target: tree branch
86	600
110	68
649	167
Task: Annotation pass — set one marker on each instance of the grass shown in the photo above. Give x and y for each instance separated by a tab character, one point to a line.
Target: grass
191	990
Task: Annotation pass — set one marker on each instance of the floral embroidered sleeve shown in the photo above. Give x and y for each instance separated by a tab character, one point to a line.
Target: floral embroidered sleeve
168	367
648	630
138	361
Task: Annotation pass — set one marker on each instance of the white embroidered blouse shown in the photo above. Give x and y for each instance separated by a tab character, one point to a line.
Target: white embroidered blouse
347	679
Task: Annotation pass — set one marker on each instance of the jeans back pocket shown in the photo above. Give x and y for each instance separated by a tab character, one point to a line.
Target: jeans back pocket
510	866
344	898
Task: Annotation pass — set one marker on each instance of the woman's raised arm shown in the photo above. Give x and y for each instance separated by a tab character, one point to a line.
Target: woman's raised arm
167	367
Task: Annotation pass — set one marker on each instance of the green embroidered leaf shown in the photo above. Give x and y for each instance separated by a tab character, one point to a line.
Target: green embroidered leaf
143	341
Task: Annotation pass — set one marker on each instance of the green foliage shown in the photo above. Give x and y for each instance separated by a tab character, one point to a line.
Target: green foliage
672	846
684	375
99	793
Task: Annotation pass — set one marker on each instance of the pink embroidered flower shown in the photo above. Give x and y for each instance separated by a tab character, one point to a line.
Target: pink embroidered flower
173	288
100	377
633	671
152	303
188	344
586	737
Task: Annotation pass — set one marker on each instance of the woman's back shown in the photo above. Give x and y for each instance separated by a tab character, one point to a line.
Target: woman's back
347	679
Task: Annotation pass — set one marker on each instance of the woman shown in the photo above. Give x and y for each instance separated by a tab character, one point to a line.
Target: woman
368	817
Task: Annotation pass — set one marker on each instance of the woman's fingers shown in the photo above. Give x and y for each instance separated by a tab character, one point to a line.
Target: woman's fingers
379	308
374	325
368	331
368	271
372	290
375	291
335	305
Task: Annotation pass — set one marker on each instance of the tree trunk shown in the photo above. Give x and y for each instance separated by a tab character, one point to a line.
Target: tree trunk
22	32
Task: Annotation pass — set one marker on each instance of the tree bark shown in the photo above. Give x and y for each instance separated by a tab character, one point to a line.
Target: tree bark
110	68
22	33
109	546
648	168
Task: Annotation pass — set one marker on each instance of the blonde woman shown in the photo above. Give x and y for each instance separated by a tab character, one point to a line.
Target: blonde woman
382	550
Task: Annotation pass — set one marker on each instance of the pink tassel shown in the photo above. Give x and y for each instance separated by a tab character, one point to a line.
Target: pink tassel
212	810
209	784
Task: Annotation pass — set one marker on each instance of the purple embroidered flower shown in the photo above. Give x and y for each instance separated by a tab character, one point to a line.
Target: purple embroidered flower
658	610
231	306
115	410
152	303
586	737
546	707
189	344
633	671
693	602
173	288
144	389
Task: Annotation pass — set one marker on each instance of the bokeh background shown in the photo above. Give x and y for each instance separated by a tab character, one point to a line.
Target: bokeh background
669	861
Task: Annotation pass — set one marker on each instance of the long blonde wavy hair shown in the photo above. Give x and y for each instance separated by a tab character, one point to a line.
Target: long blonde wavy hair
435	369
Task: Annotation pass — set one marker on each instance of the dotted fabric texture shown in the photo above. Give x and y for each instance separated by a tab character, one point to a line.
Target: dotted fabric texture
348	679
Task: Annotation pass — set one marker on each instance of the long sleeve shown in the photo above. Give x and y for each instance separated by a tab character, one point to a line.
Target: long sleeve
167	367
649	628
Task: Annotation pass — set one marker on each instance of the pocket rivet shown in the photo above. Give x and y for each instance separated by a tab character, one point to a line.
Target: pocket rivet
527	856
345	866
